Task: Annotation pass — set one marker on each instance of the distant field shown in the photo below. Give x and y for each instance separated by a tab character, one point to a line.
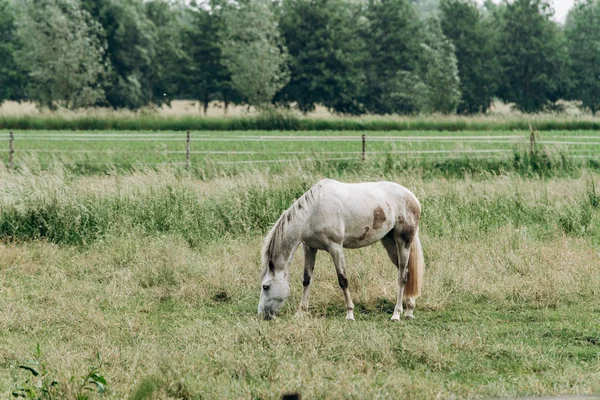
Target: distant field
214	151
184	115
179	108
157	273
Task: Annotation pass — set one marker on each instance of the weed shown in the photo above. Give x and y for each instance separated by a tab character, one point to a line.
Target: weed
39	383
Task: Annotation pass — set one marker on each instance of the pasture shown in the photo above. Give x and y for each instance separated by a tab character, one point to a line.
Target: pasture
213	153
149	274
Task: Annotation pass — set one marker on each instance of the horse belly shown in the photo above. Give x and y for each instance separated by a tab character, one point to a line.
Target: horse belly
358	242
366	234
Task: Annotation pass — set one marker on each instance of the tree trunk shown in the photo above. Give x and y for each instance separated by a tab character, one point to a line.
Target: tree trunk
206	102
225	104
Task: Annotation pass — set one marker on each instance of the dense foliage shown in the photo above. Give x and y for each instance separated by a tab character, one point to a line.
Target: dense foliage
472	35
375	56
583	33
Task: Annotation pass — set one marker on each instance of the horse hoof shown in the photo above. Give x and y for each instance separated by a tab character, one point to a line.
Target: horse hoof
410	316
395	318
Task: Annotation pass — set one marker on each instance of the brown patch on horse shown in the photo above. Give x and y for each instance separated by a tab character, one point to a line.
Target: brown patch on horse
364	234
378	218
413	207
407	233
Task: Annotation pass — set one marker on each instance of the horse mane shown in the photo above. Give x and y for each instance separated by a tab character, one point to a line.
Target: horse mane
274	238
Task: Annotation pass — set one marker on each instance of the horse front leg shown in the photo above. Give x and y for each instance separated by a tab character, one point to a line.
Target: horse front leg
337	255
310	256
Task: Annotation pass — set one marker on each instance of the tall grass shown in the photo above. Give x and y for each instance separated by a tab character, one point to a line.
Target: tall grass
540	163
291	122
158	272
47	206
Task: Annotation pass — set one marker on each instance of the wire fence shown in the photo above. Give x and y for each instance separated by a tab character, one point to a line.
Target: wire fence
570	145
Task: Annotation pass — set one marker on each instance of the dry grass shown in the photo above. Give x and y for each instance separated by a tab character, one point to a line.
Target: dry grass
507	311
186	108
178	108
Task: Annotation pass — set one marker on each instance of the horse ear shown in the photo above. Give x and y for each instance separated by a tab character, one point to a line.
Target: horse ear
271	266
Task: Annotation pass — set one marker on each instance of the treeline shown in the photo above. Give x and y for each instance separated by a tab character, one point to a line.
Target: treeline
352	56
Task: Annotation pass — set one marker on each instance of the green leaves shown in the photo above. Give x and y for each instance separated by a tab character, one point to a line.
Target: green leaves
12	77
323	39
473	37
439	72
253	51
44	387
62	51
533	56
583	34
392	42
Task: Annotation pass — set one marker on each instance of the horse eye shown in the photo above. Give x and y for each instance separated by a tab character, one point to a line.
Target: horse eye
266	287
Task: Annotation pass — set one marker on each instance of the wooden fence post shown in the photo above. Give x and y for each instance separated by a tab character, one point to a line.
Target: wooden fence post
364	146
187	152
11	150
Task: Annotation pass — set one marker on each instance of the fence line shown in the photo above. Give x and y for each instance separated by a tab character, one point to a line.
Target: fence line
322	139
179	136
408	154
284	160
277	139
217	152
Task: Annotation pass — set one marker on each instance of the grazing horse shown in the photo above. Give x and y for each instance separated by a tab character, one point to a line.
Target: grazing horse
332	216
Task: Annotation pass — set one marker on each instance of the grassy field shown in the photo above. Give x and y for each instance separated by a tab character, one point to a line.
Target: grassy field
150	279
214	153
185	115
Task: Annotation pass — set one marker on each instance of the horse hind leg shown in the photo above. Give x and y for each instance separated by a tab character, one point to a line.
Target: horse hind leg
337	255
403	236
389	243
411	303
403	253
391	246
310	256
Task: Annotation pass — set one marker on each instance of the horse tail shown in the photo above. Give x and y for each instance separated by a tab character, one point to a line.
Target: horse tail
416	268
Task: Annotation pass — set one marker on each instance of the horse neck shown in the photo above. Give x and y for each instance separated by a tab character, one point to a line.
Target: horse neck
289	241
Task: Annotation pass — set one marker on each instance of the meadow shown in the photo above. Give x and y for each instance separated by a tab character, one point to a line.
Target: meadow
215	153
183	115
144	281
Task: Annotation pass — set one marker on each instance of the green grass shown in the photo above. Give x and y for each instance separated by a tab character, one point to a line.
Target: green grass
61	215
157	272
216	153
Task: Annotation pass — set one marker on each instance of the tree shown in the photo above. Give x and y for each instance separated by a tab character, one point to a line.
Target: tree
205	77
12	77
324	48
583	33
463	23
439	72
427	8
533	56
253	51
132	49
132	40
62	53
168	63
392	39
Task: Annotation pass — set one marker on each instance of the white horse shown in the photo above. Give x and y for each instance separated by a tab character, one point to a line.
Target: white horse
332	216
